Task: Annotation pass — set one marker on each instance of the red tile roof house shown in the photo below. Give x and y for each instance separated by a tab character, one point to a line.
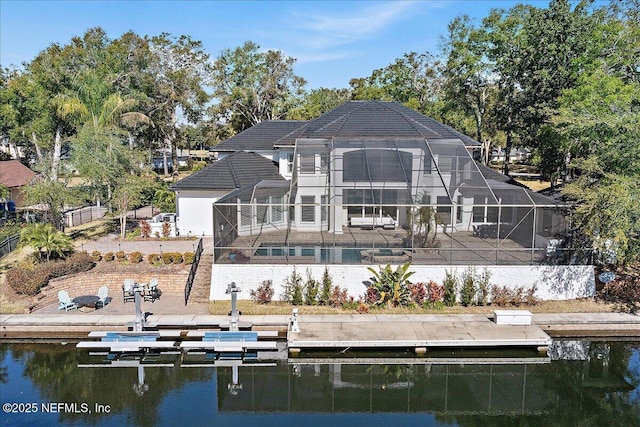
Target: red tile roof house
14	175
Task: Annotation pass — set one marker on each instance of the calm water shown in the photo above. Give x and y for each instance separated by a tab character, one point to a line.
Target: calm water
586	384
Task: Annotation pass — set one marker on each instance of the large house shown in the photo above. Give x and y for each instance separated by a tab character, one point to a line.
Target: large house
364	165
371	182
15	176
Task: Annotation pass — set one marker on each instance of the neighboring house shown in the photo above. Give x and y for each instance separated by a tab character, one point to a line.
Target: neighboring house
196	193
15	176
364	165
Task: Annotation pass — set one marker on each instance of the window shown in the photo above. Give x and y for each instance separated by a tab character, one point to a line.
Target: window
376	165
276	209
261	211
289	163
427	163
324	163
245	213
307	163
308	208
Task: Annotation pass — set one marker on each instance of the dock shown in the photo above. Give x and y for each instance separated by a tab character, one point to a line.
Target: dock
411	332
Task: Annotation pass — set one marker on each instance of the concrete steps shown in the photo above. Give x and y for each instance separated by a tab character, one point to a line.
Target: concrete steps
202	282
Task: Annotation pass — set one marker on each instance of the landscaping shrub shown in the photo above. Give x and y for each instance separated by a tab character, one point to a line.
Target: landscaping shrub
504	296
469	289
392	285
264	293
418	292
450	289
484	286
121	256
325	290
135	257
624	292
338	297
97	256
500	295
80	261
23	280
311	288
28	280
167	257
132	235
371	296
109	256
362	308
436	292
176	257
145	228
530	297
188	257
293	288
153	258
166	229
351	304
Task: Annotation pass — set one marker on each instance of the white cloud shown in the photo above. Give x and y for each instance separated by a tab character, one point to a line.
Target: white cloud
337	28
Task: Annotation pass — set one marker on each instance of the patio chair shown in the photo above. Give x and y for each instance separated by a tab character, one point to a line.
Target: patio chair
103	293
65	301
127	290
153	293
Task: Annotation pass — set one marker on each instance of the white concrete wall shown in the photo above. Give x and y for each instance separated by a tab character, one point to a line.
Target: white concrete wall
195	212
554	282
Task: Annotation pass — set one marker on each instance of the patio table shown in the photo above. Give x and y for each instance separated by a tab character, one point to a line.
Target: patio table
86	302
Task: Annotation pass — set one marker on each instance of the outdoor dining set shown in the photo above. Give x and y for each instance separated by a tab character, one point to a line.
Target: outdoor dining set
148	292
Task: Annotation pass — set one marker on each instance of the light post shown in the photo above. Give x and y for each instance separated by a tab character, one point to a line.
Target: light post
233	290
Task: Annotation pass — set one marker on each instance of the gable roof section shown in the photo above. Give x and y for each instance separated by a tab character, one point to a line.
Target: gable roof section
15	174
263	136
237	170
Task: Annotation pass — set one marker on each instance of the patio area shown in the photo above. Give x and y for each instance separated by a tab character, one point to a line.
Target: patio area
361	246
166	304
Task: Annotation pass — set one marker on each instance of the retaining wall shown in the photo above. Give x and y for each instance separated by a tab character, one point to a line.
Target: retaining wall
88	284
554	282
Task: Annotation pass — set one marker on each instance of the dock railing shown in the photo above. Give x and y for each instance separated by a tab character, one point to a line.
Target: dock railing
192	272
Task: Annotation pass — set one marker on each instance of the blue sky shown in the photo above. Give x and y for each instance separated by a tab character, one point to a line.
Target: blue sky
333	41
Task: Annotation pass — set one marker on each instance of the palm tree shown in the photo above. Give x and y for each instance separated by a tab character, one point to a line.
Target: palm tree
165	199
44	237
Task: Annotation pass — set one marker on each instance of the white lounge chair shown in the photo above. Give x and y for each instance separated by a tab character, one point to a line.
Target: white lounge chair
103	293
65	301
153	293
127	290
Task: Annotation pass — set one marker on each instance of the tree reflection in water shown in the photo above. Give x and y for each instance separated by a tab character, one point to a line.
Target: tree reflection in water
599	385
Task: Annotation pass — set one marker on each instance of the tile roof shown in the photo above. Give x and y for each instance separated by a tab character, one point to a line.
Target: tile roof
237	170
262	136
15	174
353	119
375	119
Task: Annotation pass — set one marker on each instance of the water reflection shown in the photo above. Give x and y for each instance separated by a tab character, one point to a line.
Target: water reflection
581	383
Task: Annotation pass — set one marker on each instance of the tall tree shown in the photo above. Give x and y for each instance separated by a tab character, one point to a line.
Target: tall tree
468	74
251	86
180	69
317	102
414	80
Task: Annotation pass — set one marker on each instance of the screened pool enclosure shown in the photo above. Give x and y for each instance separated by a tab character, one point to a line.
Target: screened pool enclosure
388	200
